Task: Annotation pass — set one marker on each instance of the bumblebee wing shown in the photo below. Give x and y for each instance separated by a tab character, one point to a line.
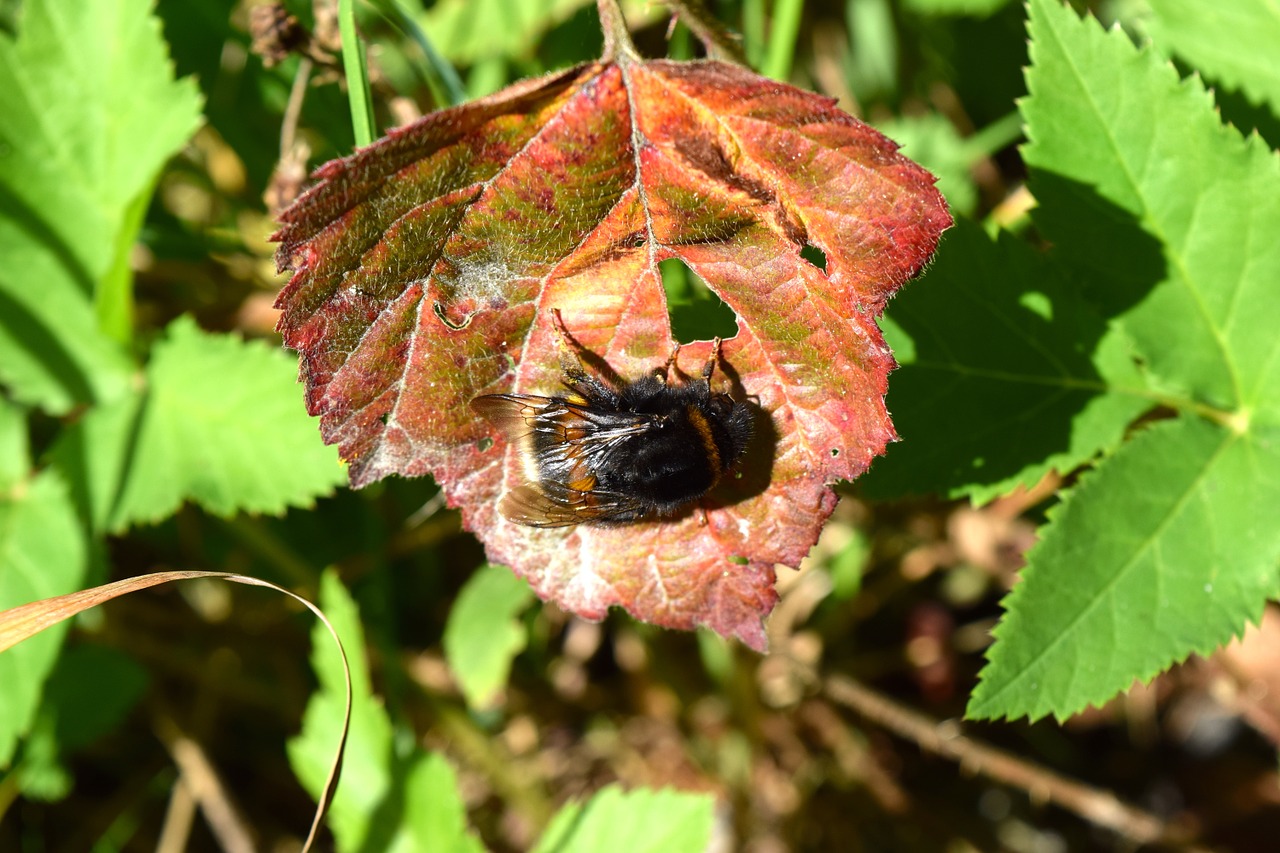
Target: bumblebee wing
515	415
557	505
561	442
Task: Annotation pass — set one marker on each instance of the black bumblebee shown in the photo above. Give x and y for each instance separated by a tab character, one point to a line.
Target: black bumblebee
600	455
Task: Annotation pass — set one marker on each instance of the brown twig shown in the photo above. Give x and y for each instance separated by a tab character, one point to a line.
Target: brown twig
1095	805
197	774
719	41
291	170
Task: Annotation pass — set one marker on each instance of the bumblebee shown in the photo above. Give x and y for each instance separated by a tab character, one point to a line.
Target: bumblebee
605	456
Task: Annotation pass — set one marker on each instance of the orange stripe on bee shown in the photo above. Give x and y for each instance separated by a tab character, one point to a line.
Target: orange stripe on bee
700	425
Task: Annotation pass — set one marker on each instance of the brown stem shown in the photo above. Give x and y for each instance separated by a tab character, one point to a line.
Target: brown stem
944	738
197	774
618	46
710	30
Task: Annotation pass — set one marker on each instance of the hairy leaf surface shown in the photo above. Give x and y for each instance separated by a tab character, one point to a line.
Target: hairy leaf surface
427	267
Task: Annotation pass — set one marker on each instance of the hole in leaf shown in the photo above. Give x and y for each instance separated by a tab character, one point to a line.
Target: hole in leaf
835	451
697	314
815	256
484	444
384	418
739	561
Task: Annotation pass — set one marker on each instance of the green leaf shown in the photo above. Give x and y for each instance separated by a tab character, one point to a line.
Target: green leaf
483	633
89	693
436	817
386	800
89	112
219	423
1170	546
1173	213
1029	377
366	772
1233	43
43	553
639	821
1166	549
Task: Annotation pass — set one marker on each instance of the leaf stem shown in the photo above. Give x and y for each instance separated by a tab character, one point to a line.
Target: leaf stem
113	297
618	46
710	30
996	136
781	49
353	64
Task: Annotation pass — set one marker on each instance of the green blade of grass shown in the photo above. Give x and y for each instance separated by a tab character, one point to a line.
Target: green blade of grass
353	64
781	50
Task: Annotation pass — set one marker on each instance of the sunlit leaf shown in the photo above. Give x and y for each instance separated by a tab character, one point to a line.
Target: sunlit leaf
43	553
418	788
1233	43
217	423
1170	546
89	112
427	267
483	634
638	821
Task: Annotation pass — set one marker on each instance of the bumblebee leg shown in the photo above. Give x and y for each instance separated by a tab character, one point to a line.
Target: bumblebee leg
575	373
710	366
570	363
665	375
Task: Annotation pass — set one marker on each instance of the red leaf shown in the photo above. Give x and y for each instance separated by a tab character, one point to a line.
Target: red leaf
428	264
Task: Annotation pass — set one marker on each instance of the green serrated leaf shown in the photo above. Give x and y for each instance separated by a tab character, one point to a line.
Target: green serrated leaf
1233	43
219	424
43	553
385	801
1030	379
1173	213
638	821
1168	548
89	112
483	634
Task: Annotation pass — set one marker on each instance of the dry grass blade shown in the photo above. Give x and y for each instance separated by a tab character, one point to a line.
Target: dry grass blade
27	620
